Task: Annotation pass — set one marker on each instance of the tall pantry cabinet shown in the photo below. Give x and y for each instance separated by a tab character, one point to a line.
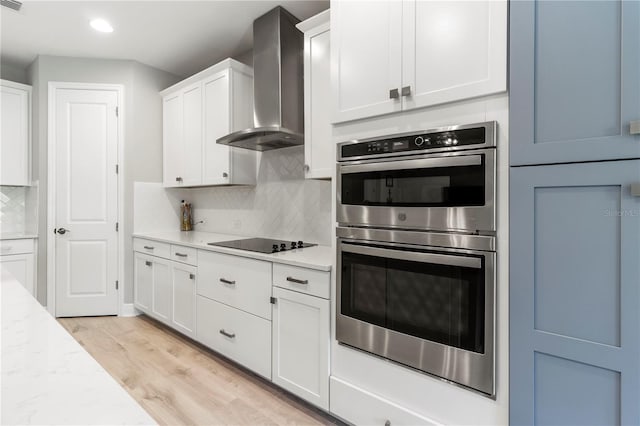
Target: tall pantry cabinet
575	212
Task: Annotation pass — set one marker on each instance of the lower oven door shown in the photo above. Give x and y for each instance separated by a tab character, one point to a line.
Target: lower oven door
426	307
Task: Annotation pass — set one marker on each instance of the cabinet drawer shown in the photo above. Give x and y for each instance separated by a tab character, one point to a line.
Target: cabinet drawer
236	281
16	246
154	248
240	336
360	407
310	281
184	254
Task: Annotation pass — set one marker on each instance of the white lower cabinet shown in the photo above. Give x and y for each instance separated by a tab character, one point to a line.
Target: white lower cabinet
18	257
238	335
165	289
271	318
361	407
183	285
301	345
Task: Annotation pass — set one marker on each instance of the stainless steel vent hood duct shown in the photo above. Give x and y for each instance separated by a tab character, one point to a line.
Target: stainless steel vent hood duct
278	88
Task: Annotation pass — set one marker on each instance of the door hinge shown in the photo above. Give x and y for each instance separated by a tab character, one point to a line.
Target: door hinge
117	285
117	226
117	112
117	169
273	300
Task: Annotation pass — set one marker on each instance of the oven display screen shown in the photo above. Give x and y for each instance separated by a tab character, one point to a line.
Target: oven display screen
400	145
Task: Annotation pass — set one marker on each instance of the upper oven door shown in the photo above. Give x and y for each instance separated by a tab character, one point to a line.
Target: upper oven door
448	191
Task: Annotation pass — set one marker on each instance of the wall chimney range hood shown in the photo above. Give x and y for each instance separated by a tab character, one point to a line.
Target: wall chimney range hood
278	88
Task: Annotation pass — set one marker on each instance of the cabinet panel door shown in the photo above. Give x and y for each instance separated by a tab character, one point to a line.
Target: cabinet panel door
143	281
574	294
215	159
192	135
172	140
366	52
301	345
161	302
184	298
453	50
319	156
574	86
21	267
14	137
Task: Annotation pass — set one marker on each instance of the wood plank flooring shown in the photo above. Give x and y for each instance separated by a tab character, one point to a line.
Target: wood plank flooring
179	382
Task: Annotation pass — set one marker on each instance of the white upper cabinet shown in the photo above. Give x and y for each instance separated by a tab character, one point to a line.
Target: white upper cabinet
366	51
198	111
15	134
319	157
415	53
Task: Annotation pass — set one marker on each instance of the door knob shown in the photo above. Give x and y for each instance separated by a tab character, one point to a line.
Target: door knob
61	231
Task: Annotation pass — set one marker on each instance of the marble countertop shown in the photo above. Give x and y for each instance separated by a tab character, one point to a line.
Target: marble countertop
317	257
47	377
17	236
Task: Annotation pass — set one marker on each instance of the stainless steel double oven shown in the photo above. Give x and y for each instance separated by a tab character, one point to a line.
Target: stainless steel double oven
417	250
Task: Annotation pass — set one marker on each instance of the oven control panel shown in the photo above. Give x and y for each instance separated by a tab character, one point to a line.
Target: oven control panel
458	137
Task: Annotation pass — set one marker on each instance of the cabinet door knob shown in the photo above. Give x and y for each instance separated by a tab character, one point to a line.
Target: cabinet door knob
147	263
634	127
178	179
387	423
394	94
225	174
406	91
306	167
192	276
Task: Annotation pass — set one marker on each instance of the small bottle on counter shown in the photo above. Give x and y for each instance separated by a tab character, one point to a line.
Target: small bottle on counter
186	216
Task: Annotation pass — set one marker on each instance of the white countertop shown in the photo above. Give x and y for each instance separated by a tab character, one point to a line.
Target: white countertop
47	377
316	257
17	236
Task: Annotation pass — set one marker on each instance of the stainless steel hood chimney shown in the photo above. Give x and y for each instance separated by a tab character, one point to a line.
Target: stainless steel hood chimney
278	88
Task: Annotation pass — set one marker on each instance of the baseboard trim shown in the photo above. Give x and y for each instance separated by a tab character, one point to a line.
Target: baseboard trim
128	310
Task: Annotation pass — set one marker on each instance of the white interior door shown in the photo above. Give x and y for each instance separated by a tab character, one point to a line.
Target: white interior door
86	202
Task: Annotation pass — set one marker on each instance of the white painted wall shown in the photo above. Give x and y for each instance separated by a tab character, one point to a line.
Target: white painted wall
143	134
426	395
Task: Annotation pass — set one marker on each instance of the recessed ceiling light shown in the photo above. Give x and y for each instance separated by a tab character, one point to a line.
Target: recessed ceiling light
101	25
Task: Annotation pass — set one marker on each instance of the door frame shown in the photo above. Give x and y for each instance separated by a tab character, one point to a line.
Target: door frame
51	185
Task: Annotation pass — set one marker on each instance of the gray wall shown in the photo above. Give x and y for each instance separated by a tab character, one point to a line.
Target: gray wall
142	138
12	72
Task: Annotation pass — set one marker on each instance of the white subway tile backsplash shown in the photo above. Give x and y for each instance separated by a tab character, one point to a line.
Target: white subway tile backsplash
282	205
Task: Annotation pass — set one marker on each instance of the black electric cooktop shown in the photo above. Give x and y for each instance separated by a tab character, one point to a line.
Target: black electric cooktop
263	245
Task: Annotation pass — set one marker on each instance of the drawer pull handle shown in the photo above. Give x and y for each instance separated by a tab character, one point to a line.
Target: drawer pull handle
229	335
224	281
297	281
181	254
147	263
148	247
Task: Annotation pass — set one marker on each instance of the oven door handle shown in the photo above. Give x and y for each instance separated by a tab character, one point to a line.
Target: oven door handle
436	258
421	163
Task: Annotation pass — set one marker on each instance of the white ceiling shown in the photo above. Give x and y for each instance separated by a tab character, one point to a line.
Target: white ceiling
181	37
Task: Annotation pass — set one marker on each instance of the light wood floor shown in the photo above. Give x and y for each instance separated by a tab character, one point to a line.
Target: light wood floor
180	382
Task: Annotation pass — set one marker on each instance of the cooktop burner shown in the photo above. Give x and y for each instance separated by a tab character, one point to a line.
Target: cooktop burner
263	245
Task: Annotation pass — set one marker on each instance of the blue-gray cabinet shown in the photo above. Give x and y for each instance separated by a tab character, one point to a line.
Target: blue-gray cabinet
574	81
575	294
